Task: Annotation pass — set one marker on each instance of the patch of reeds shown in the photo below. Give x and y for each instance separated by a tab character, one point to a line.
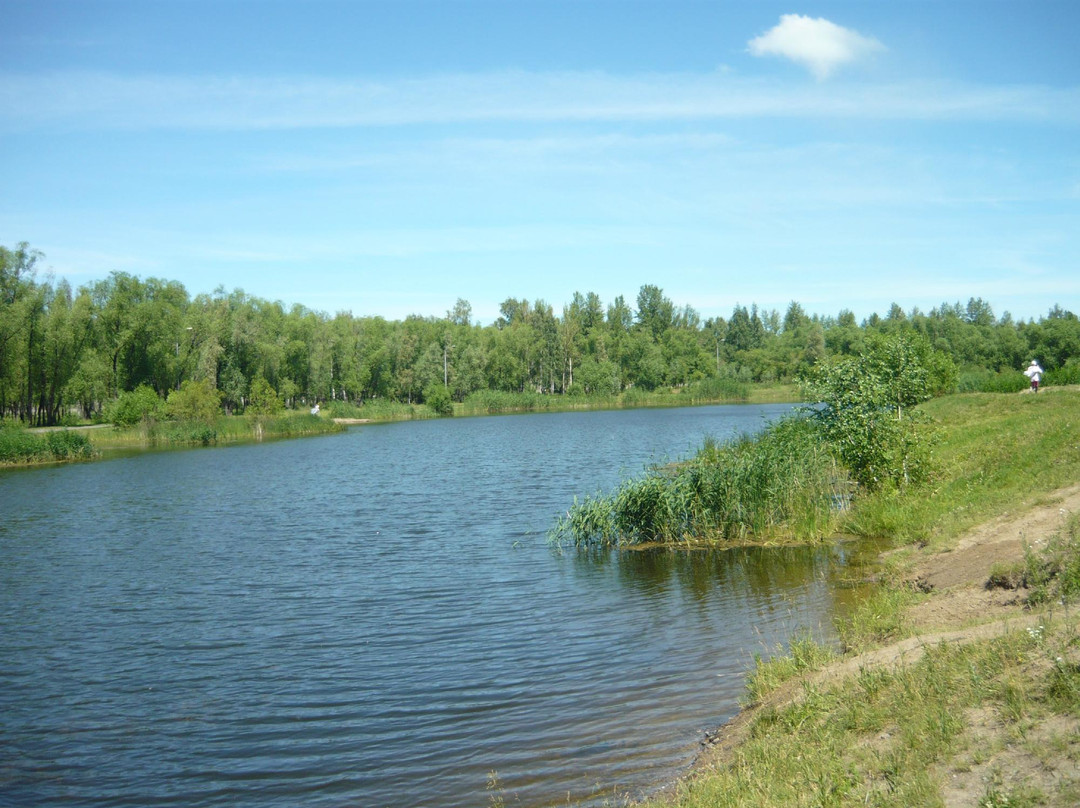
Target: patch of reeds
493	402
377	409
224	430
781	481
17	446
715	389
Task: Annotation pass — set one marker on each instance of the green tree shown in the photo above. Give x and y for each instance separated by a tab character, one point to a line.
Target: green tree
866	401
263	399
655	313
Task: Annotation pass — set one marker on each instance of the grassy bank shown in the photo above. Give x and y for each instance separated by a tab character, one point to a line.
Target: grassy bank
222	431
993	453
988	721
973	714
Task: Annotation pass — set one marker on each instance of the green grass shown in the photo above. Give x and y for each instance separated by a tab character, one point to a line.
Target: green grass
804	655
892	736
994	453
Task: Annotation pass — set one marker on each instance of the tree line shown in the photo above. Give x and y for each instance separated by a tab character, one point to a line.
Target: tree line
66	350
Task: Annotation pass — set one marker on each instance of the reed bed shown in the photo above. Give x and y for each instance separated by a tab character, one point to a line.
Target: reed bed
17	446
223	430
715	389
705	391
379	409
783	481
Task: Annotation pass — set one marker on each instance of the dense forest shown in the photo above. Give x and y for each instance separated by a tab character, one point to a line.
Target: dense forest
66	351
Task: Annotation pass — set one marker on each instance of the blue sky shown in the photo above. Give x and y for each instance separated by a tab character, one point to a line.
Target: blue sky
390	157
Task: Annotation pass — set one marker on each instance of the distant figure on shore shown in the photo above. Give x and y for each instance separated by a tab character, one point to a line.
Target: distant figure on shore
1034	372
315	410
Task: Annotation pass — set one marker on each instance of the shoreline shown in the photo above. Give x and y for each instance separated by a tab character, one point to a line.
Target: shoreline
960	607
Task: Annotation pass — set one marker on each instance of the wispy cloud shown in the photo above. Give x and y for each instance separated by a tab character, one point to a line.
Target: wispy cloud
821	46
105	101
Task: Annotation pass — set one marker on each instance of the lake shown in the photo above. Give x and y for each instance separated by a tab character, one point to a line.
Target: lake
375	619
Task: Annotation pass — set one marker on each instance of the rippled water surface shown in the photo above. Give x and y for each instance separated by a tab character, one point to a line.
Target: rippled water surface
372	619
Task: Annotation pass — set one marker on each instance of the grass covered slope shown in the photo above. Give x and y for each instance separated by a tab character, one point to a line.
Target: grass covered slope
958	680
992	453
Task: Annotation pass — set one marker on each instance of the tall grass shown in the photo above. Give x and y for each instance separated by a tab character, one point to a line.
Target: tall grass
986	381
378	409
782	481
715	389
17	446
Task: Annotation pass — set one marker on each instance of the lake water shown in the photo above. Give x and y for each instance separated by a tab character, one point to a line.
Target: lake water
373	619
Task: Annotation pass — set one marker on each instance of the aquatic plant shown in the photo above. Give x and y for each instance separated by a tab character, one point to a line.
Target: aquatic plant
783	480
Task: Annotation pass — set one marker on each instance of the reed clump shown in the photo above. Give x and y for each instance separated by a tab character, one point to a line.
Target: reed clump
17	446
781	481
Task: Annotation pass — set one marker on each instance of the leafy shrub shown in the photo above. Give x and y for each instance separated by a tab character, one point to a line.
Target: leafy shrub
194	401
1067	374
867	402
262	399
437	397
131	407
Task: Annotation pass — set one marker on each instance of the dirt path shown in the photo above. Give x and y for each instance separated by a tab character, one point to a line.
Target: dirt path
961	609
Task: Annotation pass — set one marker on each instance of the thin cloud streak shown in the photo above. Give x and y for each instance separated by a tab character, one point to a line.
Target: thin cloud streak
105	101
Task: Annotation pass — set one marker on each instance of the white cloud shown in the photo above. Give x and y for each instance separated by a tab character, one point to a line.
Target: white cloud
816	44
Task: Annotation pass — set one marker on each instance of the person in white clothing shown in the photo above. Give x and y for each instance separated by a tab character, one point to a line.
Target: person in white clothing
1034	372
